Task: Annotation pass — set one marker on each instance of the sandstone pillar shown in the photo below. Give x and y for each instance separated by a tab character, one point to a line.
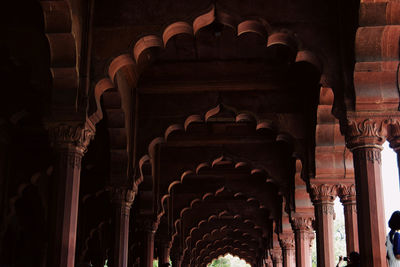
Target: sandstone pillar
323	198
148	229
303	237
70	143
276	255
365	139
122	199
288	249
163	252
347	194
176	259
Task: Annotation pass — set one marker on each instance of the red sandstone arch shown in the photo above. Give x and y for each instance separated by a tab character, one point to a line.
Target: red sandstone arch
258	176
214	235
132	67
195	124
202	213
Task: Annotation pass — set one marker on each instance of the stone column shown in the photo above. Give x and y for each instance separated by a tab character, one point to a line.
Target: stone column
163	252
288	249
304	235
122	199
365	138
148	229
323	199
347	194
70	143
276	255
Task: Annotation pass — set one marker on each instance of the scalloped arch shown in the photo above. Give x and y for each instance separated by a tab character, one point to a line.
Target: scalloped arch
256	26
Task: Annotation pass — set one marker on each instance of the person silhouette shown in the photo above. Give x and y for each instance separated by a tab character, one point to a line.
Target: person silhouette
393	240
353	260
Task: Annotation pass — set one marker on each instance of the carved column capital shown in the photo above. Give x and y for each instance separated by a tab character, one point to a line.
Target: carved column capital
323	192
276	255
347	193
122	196
148	224
66	135
287	241
303	223
366	132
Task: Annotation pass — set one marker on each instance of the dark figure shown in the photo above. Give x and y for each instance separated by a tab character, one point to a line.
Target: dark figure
353	260
393	240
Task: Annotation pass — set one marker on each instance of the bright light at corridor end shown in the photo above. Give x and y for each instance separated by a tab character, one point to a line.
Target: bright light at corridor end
228	261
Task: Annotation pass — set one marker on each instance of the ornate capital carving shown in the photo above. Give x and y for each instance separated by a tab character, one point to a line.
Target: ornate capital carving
276	255
323	192
362	132
302	223
65	135
287	241
122	196
347	193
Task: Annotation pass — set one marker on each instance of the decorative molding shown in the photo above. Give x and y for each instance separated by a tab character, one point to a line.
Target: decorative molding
276	255
366	132
328	209
287	241
122	196
64	135
302	223
323	192
347	193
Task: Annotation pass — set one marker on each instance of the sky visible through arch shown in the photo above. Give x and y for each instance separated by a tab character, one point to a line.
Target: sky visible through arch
390	180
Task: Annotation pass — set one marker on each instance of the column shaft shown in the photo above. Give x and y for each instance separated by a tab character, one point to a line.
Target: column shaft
288	249
65	210
303	251
347	194
370	211
148	229
70	143
122	199
163	254
303	236
289	257
324	214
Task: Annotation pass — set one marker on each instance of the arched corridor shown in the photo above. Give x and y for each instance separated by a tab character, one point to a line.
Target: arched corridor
183	131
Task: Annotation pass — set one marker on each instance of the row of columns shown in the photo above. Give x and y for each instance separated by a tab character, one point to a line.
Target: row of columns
71	141
294	248
323	196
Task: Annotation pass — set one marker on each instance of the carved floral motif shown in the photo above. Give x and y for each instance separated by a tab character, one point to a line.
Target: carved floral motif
302	223
123	196
76	135
287	241
323	192
276	255
366	132
347	193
